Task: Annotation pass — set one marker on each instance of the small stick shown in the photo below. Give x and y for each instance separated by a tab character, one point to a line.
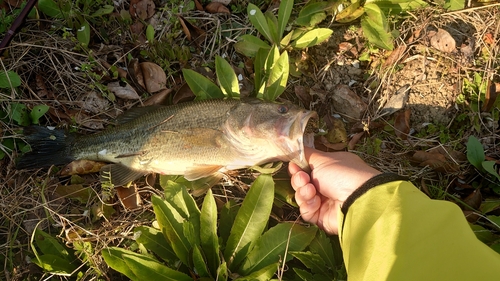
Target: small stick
16	24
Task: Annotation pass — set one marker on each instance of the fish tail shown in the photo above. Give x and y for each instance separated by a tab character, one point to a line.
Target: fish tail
48	147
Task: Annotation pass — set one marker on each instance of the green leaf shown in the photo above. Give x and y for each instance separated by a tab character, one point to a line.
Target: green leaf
374	25
208	226
201	86
226	77
278	77
263	274
50	8
272	57
8	79
312	261
49	245
475	152
495	220
171	224
322	246
37	112
311	38
396	7
453	5
250	221
351	13
313	13
489	166
83	33
105	10
227	217
154	241
115	258
259	21
147	269
222	272
249	45
272	22
199	263
150	33
284	12
304	274
259	66
272	246
19	113
55	264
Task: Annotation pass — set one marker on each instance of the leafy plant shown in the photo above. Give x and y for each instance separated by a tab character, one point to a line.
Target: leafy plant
193	242
476	156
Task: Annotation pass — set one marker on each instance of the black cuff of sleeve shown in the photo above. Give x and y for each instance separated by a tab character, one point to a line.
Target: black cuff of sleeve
369	184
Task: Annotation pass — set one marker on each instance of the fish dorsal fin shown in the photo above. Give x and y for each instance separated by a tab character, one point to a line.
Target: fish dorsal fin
201	171
134	113
119	174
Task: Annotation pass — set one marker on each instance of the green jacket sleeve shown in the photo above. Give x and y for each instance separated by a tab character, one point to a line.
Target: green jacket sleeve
395	232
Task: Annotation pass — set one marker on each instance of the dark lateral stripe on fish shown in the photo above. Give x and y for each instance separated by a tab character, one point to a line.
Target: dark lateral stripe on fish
48	147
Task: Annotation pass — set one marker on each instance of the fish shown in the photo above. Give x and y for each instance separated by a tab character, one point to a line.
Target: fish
194	139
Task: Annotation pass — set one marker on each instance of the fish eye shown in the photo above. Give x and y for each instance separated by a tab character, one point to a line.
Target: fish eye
282	109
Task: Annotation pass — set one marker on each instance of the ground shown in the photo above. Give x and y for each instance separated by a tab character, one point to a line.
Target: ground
421	98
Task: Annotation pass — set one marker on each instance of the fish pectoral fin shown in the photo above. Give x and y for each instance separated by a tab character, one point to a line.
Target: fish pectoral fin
119	175
201	171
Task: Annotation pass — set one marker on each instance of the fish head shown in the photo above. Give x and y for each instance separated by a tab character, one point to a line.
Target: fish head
267	131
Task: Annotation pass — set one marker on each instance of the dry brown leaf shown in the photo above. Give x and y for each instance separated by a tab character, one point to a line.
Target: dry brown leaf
402	124
302	93
395	56
41	87
436	161
193	33
81	167
474	199
354	140
216	7
336	131
138	28
155	78
143	9
183	94
129	197
136	74
443	41
85	120
471	216
330	146
93	102
488	39
492	92
158	98
198	5
124	91
347	102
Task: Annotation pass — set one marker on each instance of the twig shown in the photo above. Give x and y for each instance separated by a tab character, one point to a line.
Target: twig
16	24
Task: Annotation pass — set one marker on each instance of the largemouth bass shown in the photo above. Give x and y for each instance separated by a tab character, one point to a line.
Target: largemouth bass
194	139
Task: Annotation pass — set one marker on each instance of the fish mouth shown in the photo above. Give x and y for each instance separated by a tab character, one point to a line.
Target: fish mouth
294	139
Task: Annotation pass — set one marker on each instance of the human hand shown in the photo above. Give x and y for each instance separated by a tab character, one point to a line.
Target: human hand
333	178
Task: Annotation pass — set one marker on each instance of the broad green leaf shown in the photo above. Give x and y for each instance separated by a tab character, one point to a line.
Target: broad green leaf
105	10
150	33
49	245
272	22
55	264
263	274
259	66
490	205
311	38
495	220
154	241
489	166
374	28
321	245
483	234
350	13
312	261
8	79
19	113
278	77
114	258
147	269
83	33
227	217
304	274
199	263
250	221
286	40
50	8
37	112
208	228
222	273
313	13
259	21
396	7
272	57
453	5
271	246
171	224
201	86
249	45
177	195
475	152
284	12
226	77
